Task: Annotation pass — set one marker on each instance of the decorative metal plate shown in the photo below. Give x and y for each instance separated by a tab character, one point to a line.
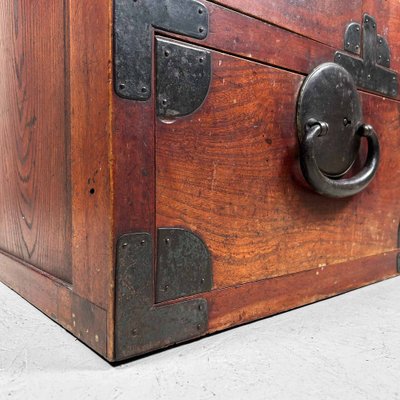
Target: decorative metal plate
352	38
184	265
133	22
329	94
183	77
371	72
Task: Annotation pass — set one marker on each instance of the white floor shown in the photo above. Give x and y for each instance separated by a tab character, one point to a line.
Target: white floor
347	347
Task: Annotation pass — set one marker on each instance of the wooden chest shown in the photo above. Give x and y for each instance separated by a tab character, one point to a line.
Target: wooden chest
172	168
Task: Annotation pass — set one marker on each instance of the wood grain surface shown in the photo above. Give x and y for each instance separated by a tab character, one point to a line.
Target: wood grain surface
81	166
35	192
240	304
239	34
57	300
321	20
230	173
91	159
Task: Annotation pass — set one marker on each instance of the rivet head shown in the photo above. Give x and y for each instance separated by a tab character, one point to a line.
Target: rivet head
198	327
124	244
358	28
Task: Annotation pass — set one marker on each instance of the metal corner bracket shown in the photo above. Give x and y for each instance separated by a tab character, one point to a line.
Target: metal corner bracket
183	78
134	21
142	325
371	72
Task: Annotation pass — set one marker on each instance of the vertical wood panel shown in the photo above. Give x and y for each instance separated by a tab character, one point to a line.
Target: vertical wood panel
91	161
34	212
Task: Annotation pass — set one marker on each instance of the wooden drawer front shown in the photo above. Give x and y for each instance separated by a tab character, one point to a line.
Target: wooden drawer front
229	172
316	19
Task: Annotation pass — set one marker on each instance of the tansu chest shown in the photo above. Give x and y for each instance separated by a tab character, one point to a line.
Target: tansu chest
225	161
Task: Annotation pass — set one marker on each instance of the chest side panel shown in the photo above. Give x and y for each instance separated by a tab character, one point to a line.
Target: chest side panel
34	201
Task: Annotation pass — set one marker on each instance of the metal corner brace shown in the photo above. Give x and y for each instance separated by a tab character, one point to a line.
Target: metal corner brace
141	325
372	71
183	71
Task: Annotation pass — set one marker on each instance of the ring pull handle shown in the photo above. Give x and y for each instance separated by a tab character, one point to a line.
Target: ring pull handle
329	187
330	129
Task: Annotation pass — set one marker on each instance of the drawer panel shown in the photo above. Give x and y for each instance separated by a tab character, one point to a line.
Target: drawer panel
230	173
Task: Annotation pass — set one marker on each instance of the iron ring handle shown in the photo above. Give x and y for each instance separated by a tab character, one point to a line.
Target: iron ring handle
341	187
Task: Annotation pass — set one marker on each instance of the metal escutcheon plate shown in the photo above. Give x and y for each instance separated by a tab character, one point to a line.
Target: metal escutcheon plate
329	94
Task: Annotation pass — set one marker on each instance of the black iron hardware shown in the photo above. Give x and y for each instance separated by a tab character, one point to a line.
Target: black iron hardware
183	77
184	265
352	38
330	128
133	23
370	72
142	325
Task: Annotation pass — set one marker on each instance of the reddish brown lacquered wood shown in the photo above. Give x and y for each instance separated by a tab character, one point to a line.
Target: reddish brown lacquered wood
84	319
248	37
238	305
91	173
318	19
134	166
229	172
34	202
